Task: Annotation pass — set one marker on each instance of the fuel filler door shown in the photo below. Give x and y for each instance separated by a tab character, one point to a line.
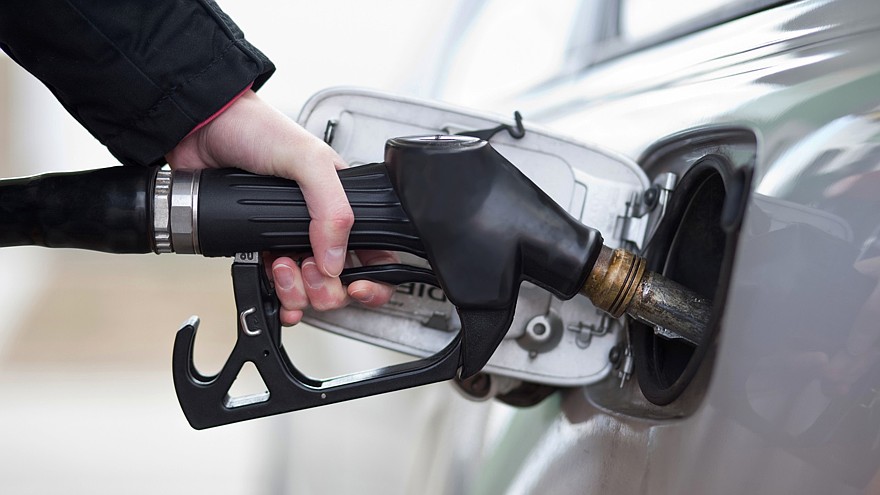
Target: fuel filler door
551	342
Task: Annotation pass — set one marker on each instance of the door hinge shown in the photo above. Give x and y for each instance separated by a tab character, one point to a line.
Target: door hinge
644	211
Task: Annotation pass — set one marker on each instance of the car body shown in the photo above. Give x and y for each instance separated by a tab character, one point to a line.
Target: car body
786	399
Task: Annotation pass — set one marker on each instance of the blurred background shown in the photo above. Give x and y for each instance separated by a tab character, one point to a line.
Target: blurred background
87	403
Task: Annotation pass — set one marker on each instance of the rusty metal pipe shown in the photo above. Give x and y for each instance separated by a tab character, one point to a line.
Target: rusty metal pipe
619	283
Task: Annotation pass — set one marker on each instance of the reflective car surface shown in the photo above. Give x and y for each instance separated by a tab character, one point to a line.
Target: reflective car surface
767	112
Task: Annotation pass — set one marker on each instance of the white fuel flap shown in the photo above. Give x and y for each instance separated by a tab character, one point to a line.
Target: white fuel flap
554	342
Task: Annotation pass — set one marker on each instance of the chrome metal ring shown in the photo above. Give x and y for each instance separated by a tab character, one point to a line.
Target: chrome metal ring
161	213
184	211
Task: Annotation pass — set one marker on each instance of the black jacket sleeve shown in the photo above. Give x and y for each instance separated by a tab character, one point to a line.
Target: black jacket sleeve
139	75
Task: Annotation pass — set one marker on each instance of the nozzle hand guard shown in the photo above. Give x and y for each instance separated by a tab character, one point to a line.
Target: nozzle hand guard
205	399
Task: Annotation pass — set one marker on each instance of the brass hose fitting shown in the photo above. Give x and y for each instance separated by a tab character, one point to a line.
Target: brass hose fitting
614	280
619	283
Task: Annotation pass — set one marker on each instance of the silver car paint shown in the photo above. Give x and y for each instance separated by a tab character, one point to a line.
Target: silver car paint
792	398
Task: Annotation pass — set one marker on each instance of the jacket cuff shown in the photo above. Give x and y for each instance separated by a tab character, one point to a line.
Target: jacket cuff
146	139
218	112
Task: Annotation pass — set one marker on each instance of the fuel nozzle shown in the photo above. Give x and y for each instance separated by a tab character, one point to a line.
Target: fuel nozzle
620	283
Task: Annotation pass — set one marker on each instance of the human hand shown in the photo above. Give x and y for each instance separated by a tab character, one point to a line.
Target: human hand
253	136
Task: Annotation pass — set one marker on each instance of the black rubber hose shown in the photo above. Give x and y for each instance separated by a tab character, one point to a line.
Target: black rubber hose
100	210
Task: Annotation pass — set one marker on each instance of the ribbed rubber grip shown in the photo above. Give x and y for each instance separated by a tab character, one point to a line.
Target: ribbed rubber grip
100	210
242	212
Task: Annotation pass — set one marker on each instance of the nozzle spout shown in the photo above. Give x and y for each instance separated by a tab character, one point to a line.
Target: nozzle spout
620	283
